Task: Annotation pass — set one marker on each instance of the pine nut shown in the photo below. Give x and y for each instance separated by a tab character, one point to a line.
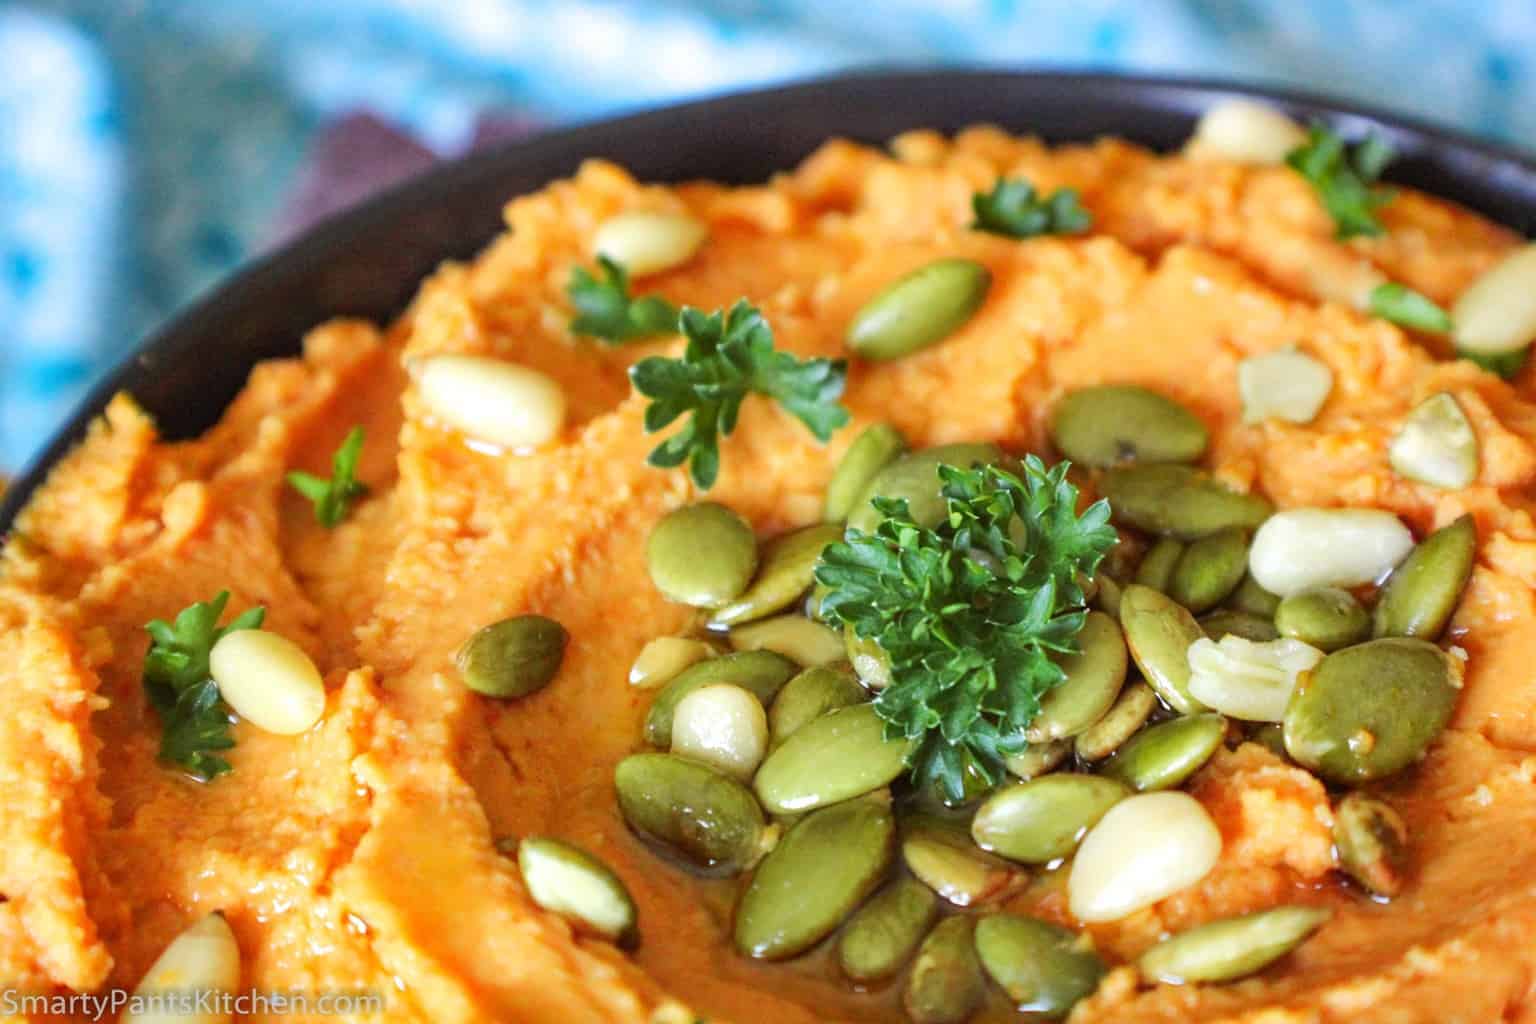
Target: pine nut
204	958
1497	312
268	680
721	725
492	400
1247	680
1302	548
648	242
1245	131
1146	848
1436	445
1283	385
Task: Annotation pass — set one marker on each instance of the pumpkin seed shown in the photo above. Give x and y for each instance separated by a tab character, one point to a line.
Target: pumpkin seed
945	984
1156	568
915	479
1284	385
835	757
1179	501
1247	680
1372	841
820	871
701	555
886	931
785	573
760	673
1323	617
877	447
567	880
1302	548
1255	600
1103	426
808	696
665	658
270	681
1147	847
1168	753
1496	314
1037	822
796	637
649	241
1228	622
1436	444
1122	721
707	819
1271	737
1210	569
1094	678
1107	600
919	309
1158	633
1371	710
1423	592
1230	949
203	958
1045	968
1247	132
513	657
723	726
1038	758
944	859
869	660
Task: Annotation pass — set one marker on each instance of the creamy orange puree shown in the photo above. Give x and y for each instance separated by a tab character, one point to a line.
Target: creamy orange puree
360	855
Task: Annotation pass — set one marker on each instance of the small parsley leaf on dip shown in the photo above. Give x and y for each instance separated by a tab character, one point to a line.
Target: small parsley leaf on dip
1345	180
970	611
1013	209
333	498
1402	305
729	356
605	309
194	721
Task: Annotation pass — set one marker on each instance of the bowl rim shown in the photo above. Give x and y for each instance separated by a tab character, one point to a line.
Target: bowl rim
1187	94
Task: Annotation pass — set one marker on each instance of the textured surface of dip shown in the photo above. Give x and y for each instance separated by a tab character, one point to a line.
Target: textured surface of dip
362	854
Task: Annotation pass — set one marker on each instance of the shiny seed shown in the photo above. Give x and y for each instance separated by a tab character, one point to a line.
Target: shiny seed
1168	753
760	673
1102	426
820	871
1179	501
1369	711
1148	847
1271	737
915	479
268	680
1436	444
491	400
1045	969
1230	949
707	819
882	936
1228	622
1421	594
945	860
1037	759
1283	385
648	242
1158	632
836	757
1323	617
203	958
919	309
1255	600
808	696
1122	721
1107	600
665	658
1210	569
1094	677
1245	131
876	448
702	555
945	984
1037	822
785	573
869	660
1372	841
1248	680
723	726
567	880
1302	548
1156	568
796	637
1497	313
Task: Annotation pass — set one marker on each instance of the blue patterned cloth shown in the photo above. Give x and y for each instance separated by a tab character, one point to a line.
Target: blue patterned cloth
147	146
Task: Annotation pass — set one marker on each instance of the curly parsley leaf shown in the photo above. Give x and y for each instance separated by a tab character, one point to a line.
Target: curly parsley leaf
1015	210
1345	180
970	611
333	498
606	310
194	723
1402	305
729	356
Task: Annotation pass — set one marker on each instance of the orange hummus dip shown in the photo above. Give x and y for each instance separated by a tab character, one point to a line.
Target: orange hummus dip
362	854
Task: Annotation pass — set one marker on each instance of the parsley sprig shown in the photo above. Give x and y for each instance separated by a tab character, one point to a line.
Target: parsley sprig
606	310
194	722
333	497
730	356
1015	210
969	636
1345	180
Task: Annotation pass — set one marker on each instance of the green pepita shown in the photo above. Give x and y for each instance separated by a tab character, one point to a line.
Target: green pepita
567	880
1156	568
1324	617
1210	569
882	936
1038	758
1229	622
1094	678
919	309
1107	600
869	660
1372	841
796	637
915	478
945	984
758	672
1252	598
513	657
1271	736
708	820
1103	426
1037	822
944	859
1122	721
808	696
1045	968
701	555
1168	753
1158	632
1230	949
877	447
1178	501
788	563
835	757
1423	592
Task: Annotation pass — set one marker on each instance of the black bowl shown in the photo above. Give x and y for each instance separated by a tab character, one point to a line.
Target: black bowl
368	262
